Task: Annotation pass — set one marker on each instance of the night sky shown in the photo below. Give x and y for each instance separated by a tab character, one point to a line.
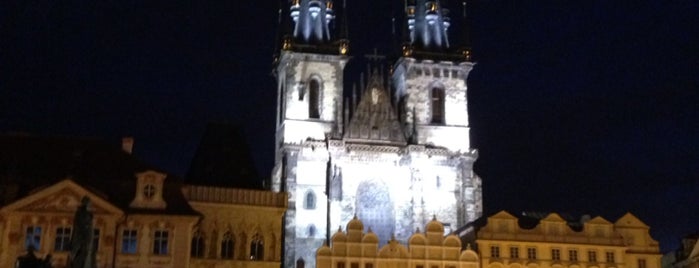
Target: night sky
582	107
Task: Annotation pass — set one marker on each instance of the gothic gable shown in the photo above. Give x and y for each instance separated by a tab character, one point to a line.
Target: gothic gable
374	119
63	196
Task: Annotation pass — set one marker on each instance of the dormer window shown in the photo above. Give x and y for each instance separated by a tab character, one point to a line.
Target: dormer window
149	190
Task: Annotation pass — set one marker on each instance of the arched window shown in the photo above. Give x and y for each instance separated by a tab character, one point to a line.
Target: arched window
227	245
257	248
314	99
300	263
311	230
197	249
310	201
437	105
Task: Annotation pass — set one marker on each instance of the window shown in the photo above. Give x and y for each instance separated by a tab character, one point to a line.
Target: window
340	265
310	201
437	105
257	247
641	263
95	240
311	230
354	265
149	191
610	257
32	238
531	253
514	253
592	256
555	254
495	251
314	99
129	241
368	265
227	245
197	247
160	242
62	242
573	255
300	263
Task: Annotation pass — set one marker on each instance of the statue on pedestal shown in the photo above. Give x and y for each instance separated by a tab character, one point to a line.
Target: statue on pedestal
82	254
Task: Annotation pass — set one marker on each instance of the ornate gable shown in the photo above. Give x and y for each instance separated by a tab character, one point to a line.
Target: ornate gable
374	119
63	196
629	220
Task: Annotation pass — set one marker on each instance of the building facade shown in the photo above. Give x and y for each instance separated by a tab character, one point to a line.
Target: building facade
356	248
142	217
553	242
687	256
394	153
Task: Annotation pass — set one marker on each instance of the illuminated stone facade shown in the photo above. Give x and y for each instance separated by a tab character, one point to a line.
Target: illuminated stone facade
687	256
394	154
356	248
552	243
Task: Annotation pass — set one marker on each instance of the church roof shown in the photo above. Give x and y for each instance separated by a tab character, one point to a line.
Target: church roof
31	163
374	119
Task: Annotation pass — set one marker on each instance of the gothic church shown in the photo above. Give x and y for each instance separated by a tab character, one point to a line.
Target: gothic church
395	153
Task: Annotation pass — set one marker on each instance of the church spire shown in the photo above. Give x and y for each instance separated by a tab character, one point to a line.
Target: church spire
428	24
312	27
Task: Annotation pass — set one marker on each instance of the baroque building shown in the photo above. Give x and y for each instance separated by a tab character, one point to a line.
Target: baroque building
394	153
356	248
143	216
552	241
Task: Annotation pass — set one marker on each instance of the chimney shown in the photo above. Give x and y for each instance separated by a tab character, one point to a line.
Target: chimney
127	144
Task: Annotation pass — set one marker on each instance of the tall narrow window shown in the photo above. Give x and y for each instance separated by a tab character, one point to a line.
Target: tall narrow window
197	248
95	240
437	105
310	200
227	245
129	241
160	242
32	238
314	99
62	242
257	248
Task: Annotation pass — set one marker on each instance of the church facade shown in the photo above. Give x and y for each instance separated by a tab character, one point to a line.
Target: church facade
394	153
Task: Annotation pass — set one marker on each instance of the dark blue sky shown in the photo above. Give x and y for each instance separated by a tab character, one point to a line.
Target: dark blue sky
576	106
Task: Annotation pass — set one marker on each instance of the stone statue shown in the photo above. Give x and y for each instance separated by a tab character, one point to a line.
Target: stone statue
29	260
81	253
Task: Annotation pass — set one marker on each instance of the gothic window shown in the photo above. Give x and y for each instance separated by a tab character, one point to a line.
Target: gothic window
257	247
310	201
32	238
314	99
197	248
311	230
227	245
62	242
160	242
300	263
437	105
129	241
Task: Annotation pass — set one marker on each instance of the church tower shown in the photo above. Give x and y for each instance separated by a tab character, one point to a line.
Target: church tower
309	72
395	154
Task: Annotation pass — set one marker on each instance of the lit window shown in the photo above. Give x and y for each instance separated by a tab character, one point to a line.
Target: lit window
514	253
610	257
495	251
32	238
531	253
197	247
641	263
556	254
437	105
257	247
314	99
129	241
149	191
227	245
592	256
160	240
62	242
310	200
573	255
